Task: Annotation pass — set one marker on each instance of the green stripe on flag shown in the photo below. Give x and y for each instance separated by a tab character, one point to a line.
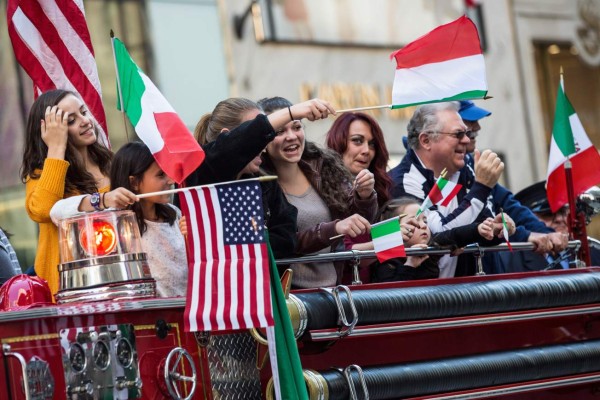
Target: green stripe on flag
291	377
441	182
561	131
132	85
471	94
385	228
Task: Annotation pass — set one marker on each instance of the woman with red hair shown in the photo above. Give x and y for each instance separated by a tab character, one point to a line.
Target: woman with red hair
358	138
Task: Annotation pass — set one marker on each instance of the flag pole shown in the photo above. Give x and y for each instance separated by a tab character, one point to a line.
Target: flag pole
183	189
119	91
576	220
365	108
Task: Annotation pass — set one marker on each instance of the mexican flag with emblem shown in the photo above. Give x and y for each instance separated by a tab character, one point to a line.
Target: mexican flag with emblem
569	140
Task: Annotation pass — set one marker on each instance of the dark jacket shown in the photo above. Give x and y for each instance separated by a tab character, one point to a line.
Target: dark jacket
280	219
524	218
227	156
395	270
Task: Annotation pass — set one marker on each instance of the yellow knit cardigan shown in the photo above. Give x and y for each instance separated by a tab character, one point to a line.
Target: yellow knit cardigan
40	195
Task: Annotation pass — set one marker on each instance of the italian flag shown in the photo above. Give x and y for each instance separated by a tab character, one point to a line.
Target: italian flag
569	141
387	239
444	65
442	193
156	123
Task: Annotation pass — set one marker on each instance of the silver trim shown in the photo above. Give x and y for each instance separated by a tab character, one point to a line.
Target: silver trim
330	334
23	363
101	261
518	388
120	268
361	380
472	248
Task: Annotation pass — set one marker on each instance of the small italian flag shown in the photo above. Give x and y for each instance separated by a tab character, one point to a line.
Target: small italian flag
505	231
444	65
387	239
569	140
172	144
441	194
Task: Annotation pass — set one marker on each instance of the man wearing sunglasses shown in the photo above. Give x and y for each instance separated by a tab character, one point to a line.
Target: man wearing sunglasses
438	140
529	227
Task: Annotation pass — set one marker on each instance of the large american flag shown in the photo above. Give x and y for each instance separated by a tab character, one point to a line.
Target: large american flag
52	43
228	281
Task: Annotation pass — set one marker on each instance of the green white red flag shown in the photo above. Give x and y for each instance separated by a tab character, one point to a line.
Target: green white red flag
569	140
387	239
444	65
176	151
442	193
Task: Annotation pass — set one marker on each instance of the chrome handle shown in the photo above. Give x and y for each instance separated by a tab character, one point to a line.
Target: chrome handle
172	377
23	363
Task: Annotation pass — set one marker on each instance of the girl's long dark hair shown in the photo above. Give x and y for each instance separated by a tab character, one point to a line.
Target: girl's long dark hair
335	178
132	160
78	180
337	139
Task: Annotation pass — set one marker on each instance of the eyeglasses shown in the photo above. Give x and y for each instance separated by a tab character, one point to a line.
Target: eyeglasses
458	135
472	134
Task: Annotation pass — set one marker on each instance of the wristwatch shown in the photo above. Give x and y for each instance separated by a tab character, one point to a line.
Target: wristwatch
95	201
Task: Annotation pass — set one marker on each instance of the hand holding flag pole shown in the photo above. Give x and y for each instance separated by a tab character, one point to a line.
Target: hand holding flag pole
183	189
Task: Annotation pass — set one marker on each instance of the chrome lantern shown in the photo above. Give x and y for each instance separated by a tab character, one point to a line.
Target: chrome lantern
101	258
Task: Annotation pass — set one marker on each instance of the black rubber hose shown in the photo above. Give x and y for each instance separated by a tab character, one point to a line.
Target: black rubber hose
429	302
462	373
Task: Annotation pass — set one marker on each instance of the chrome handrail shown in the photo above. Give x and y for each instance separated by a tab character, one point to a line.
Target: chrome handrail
472	248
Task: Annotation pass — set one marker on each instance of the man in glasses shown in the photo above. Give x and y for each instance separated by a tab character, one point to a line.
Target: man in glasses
437	139
534	197
529	227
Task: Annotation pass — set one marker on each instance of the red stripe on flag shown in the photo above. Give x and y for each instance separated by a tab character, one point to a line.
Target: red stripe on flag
394	252
435	195
451	195
73	70
181	154
77	21
456	39
212	254
76	73
585	171
255	290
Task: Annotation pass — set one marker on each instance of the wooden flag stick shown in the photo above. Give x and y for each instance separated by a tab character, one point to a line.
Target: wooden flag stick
119	90
443	173
364	108
177	190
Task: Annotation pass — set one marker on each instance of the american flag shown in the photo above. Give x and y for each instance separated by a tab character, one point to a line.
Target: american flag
228	281
52	43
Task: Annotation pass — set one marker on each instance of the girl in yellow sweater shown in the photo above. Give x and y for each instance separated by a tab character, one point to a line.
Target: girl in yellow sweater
62	158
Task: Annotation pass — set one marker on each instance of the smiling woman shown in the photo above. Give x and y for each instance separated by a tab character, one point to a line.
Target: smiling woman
358	138
316	182
62	158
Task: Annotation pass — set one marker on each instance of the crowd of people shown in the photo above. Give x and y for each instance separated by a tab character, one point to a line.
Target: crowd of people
325	198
